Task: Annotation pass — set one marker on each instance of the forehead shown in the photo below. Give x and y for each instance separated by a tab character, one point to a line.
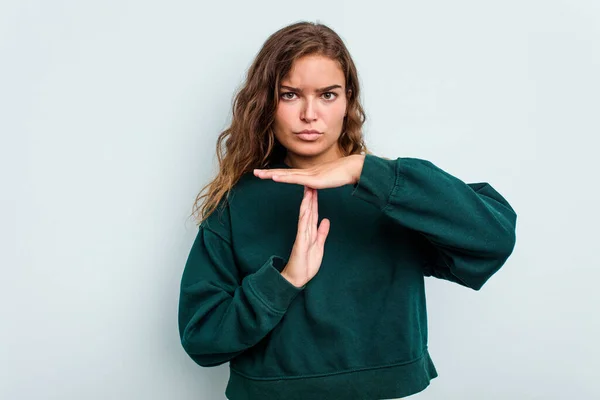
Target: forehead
314	72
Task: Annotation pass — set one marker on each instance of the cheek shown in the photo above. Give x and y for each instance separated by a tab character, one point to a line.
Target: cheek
335	115
284	115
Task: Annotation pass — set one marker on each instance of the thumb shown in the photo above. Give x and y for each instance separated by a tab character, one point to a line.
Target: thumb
323	231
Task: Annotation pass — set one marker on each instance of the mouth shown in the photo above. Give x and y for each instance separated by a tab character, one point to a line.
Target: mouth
308	135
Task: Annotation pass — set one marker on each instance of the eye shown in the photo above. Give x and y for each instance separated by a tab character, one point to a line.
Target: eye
334	94
287	98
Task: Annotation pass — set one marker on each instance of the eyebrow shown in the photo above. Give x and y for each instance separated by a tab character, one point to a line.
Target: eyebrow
321	90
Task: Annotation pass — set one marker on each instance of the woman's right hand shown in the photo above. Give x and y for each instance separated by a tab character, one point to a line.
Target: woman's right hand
307	253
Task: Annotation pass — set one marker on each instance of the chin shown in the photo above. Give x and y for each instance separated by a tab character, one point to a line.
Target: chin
305	151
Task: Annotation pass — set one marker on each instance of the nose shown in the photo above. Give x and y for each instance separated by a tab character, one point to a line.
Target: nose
309	112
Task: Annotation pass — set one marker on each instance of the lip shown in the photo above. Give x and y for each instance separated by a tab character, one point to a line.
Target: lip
309	131
309	135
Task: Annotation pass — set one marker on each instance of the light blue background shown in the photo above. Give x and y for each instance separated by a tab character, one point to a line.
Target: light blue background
110	112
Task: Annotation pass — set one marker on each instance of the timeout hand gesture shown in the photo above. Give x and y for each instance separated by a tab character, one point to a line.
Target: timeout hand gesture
343	171
307	252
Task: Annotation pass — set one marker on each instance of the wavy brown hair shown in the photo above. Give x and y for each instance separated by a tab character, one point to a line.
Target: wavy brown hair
250	140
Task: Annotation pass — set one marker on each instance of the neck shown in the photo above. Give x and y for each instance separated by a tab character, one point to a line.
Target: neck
300	162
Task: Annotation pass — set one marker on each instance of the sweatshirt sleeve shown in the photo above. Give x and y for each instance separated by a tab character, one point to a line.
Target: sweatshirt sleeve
470	225
221	313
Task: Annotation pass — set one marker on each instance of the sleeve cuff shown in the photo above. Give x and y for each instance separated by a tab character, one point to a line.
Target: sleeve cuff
275	292
377	180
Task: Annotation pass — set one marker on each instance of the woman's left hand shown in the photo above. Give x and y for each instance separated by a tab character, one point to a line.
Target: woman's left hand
343	171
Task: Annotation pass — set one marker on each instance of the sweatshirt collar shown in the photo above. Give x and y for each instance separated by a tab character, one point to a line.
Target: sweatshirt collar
280	164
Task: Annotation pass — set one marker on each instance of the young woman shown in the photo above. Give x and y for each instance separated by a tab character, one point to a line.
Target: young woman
303	308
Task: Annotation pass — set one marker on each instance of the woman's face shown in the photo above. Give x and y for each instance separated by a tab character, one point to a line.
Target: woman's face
312	97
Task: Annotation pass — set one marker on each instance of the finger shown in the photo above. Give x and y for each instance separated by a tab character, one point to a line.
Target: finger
268	172
304	204
299	179
279	171
303	213
309	226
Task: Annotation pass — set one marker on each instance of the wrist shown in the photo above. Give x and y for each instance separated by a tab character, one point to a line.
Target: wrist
360	161
290	280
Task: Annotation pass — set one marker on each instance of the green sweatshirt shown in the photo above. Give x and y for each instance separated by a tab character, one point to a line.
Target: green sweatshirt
358	329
